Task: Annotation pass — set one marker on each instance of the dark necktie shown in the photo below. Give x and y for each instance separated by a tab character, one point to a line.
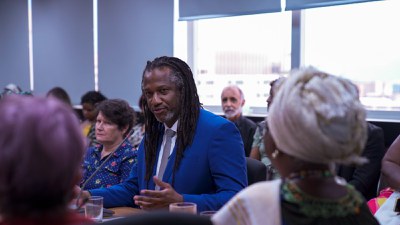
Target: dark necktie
164	159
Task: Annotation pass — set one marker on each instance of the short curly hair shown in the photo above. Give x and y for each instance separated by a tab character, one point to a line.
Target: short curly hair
93	97
119	112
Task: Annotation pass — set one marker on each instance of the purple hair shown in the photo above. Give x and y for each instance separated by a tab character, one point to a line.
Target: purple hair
41	149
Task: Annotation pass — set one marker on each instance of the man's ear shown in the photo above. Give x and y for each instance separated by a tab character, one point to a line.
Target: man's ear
243	101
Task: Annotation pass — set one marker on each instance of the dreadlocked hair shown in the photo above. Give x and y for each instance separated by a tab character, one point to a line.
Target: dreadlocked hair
188	114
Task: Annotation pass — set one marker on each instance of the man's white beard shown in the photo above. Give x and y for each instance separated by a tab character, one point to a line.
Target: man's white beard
232	113
167	117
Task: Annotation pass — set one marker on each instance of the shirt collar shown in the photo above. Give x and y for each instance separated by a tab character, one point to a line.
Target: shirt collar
174	127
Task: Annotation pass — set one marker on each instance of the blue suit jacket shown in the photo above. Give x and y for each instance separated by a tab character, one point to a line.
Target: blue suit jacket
212	170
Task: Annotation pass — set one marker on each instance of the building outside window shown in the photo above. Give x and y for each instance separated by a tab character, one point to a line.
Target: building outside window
356	41
248	51
359	42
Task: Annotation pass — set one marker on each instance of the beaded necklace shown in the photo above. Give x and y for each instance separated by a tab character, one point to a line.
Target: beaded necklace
310	206
317	207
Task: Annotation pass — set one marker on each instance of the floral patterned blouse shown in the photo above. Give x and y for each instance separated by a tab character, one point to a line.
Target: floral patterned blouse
114	171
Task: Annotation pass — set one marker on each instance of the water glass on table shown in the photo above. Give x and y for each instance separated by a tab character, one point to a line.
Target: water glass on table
94	208
183	207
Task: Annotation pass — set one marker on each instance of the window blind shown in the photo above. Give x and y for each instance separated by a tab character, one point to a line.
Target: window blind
305	4
204	9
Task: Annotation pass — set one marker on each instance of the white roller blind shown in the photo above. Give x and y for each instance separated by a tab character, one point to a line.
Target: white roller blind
203	9
130	33
14	52
63	46
305	4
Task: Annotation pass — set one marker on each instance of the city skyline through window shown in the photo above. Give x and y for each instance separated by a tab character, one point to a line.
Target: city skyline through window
356	41
362	44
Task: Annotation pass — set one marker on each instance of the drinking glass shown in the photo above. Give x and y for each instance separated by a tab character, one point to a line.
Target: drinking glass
183	207
94	208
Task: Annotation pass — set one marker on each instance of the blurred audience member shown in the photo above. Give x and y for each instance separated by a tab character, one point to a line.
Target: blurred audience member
41	148
114	122
316	120
385	206
232	100
138	130
390	176
60	94
258	149
89	101
12	89
391	165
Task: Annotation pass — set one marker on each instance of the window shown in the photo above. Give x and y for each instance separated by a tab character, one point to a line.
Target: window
359	42
248	51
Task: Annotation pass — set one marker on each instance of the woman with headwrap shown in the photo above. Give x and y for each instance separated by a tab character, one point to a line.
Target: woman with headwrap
316	120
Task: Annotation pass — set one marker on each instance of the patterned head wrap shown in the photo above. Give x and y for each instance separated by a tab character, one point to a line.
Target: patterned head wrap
12	89
318	118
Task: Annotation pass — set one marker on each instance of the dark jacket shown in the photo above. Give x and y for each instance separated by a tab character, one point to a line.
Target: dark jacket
365	178
247	129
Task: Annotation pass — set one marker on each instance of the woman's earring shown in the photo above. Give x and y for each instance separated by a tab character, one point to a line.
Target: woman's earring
275	154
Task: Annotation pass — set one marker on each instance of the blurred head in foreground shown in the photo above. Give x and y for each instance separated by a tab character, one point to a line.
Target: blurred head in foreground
317	118
41	148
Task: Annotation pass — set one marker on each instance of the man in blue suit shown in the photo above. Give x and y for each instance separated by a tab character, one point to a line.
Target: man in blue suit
206	162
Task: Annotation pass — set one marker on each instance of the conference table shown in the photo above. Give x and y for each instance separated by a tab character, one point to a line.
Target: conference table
125	211
121	212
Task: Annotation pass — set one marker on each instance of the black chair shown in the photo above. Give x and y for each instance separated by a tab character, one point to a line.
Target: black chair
256	171
162	218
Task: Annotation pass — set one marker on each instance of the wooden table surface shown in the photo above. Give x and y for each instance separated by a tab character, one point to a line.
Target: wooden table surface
125	211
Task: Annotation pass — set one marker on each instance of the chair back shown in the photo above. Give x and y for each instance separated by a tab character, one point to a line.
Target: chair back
256	171
162	218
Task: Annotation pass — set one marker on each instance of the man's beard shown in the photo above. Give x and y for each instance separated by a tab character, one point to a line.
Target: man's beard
232	113
166	118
